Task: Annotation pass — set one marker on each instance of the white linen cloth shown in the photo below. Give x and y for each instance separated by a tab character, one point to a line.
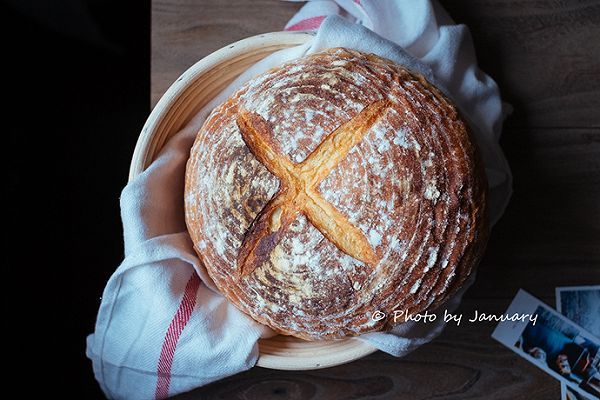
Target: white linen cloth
162	327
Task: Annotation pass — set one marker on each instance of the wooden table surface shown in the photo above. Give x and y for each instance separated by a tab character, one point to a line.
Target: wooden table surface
545	55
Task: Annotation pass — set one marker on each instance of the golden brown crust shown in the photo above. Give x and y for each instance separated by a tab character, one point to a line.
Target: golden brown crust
334	186
298	191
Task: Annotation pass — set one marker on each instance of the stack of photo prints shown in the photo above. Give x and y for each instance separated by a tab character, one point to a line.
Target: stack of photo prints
563	342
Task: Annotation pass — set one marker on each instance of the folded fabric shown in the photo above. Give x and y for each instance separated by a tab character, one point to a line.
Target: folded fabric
162	327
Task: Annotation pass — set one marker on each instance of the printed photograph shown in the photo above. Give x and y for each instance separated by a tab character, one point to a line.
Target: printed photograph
568	394
562	347
581	304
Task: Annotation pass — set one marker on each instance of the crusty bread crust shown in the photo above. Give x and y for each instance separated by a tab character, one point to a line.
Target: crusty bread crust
299	192
334	186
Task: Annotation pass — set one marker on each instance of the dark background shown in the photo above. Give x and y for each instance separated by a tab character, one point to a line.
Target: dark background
78	78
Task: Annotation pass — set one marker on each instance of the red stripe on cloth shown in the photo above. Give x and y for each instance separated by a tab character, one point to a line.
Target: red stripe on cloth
307	24
179	321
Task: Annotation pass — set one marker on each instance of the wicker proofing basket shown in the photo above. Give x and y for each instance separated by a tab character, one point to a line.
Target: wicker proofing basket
195	88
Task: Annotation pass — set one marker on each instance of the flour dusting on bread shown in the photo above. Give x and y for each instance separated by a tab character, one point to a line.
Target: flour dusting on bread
413	186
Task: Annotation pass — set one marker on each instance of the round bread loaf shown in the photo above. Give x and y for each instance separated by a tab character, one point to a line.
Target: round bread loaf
332	187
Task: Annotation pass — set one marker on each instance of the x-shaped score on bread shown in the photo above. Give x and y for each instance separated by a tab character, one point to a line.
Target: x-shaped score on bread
298	189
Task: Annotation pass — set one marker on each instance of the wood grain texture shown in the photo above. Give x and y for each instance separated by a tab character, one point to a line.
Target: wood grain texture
545	55
542	53
550	233
462	363
184	31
